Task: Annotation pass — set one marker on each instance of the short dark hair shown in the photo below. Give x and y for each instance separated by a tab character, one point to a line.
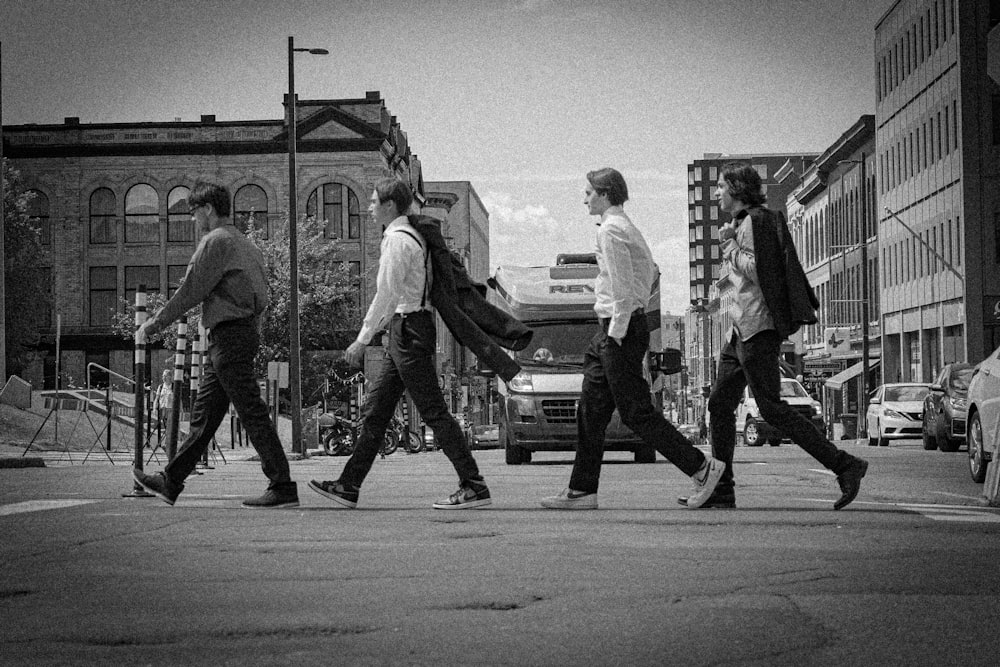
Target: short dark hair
397	191
744	183
609	182
205	192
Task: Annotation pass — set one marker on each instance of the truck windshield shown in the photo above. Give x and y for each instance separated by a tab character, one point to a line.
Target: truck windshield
558	343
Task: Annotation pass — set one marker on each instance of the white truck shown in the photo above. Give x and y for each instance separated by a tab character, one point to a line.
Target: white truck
755	431
537	408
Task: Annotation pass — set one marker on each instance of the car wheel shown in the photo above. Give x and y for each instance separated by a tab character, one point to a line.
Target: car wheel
977	461
944	443
882	440
930	440
645	454
751	434
514	454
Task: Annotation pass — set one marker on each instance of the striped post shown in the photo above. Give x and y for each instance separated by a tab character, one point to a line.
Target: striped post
175	414
140	389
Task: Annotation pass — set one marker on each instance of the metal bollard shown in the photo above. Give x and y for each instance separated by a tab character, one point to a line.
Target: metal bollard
175	414
140	391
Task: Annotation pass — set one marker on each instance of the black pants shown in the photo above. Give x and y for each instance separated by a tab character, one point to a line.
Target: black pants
228	376
409	366
755	363
612	378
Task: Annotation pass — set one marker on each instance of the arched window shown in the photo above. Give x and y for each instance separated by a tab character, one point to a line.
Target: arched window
142	220
102	216
250	208
327	203
38	211
180	227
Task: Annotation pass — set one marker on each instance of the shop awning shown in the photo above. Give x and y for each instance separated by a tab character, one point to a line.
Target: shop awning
838	381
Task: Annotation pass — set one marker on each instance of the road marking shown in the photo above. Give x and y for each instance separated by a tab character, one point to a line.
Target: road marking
40	505
823	471
963	515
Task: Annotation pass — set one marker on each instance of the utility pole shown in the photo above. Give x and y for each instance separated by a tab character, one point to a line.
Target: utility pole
865	343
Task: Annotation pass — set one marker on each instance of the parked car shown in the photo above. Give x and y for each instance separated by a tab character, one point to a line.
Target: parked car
756	431
486	436
945	408
984	415
896	411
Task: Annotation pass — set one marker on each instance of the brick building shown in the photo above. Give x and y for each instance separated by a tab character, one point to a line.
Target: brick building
111	202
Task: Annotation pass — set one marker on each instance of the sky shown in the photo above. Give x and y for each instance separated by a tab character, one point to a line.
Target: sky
520	97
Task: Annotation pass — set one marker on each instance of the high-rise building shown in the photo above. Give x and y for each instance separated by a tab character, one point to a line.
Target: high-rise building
937	123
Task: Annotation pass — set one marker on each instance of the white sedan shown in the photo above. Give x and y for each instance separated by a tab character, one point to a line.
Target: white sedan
984	415
896	411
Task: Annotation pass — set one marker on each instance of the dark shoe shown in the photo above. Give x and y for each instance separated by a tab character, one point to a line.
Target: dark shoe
716	501
274	499
850	482
467	497
569	499
336	491
158	485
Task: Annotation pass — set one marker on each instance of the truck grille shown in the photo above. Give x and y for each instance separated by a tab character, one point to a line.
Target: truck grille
559	411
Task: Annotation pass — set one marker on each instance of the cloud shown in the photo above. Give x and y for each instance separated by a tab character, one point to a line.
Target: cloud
525	233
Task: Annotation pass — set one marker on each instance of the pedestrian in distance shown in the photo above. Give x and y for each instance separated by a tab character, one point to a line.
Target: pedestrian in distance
227	275
164	399
612	366
763	314
402	300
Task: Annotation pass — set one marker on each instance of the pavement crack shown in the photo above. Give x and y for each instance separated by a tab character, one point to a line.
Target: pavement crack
493	605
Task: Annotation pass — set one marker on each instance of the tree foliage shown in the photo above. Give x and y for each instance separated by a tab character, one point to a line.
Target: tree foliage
328	303
27	301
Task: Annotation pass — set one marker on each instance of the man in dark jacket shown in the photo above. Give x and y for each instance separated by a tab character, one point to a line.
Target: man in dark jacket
763	315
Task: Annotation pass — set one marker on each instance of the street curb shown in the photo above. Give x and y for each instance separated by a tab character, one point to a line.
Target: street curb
22	462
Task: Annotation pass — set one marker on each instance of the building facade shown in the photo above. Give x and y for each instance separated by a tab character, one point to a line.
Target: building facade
111	200
938	181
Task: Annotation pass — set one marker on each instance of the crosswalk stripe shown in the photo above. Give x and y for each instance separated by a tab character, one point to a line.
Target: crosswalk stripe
40	505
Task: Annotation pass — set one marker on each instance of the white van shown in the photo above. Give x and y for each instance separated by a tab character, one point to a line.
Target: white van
755	431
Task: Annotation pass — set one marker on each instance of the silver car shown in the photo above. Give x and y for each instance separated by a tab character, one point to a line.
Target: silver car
984	415
896	411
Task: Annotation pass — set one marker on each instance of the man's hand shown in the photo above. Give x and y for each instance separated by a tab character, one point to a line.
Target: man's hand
727	232
355	354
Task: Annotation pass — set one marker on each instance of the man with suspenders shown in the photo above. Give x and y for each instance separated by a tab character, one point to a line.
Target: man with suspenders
401	297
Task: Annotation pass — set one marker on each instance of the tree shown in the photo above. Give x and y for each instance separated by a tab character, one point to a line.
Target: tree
27	302
328	303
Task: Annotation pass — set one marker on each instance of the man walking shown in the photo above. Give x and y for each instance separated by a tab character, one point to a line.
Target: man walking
401	298
612	366
762	316
227	276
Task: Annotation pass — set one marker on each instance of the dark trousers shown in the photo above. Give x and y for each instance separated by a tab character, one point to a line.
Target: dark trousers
409	366
228	376
755	363
612	378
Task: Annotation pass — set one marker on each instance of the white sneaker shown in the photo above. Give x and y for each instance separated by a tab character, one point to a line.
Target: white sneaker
571	500
705	481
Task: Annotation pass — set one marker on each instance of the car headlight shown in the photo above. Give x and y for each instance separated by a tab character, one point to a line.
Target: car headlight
521	382
817	410
958	403
889	412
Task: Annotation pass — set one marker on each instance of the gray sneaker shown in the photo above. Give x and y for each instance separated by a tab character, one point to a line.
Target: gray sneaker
158	485
705	481
274	500
467	497
569	499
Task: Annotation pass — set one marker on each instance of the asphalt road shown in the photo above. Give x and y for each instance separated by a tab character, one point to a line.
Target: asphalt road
907	575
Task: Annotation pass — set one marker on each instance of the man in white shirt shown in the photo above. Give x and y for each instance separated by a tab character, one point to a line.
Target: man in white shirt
401	299
612	367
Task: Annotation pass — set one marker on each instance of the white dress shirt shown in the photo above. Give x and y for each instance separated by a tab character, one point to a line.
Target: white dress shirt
402	276
625	279
749	311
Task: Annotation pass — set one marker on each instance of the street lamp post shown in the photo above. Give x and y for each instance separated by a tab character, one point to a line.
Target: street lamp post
865	337
294	351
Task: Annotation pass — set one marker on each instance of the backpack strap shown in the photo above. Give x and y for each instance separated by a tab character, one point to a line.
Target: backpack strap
427	267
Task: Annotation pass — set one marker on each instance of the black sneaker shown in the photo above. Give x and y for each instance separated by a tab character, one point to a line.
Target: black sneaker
158	485
850	482
468	496
718	501
336	491
273	499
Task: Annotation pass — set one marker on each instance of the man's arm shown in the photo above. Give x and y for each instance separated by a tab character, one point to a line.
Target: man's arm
738	250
